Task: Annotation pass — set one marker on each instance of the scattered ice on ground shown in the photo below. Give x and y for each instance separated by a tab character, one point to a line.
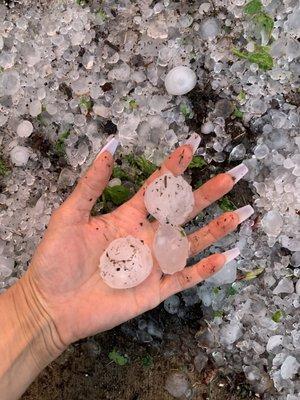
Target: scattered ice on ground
67	69
125	263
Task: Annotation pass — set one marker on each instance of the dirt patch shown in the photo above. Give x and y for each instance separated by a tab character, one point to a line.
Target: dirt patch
85	371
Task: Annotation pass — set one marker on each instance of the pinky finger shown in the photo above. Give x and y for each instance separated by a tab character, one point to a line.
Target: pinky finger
190	276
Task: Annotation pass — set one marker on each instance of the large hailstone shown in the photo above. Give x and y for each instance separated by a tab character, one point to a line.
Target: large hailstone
125	263
180	80
171	248
169	199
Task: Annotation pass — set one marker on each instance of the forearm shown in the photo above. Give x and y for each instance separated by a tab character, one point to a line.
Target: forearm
28	339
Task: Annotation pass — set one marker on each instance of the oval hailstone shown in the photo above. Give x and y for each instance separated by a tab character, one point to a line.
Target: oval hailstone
126	263
24	129
180	80
169	199
171	248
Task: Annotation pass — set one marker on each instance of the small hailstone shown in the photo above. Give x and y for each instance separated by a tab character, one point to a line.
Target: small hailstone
209	28
25	129
114	182
207	128
171	248
19	155
9	83
274	343
180	80
285	285
172	304
177	384
169	199
35	108
289	367
272	223
125	263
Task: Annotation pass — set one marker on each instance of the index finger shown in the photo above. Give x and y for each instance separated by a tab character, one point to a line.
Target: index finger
176	163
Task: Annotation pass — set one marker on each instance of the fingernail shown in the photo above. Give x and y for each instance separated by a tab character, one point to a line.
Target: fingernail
238	172
231	254
244	213
193	141
111	147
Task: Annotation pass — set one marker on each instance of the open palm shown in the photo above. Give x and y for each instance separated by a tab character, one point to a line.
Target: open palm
64	273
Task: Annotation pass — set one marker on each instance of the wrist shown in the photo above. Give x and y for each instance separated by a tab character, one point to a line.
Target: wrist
36	331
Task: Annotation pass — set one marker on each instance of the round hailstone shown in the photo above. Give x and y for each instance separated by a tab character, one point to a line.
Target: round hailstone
125	263
19	155
180	80
25	129
169	199
171	248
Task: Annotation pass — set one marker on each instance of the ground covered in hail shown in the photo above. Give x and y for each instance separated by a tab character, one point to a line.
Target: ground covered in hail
73	73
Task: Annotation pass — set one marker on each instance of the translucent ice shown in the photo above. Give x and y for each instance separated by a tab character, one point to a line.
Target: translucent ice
284	286
272	223
171	305
169	199
226	275
125	263
180	80
274	343
171	248
209	28
289	367
230	333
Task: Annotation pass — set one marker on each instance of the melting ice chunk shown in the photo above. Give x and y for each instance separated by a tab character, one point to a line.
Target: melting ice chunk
125	263
171	248
169	199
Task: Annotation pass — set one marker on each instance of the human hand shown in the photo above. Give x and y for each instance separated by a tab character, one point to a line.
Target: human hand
64	276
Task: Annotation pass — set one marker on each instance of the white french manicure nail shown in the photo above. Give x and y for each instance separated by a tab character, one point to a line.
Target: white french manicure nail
244	213
111	147
193	141
231	254
238	172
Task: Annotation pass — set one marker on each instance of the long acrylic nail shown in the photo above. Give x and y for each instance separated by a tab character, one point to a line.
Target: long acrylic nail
238	172
193	141
111	147
231	254
244	213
